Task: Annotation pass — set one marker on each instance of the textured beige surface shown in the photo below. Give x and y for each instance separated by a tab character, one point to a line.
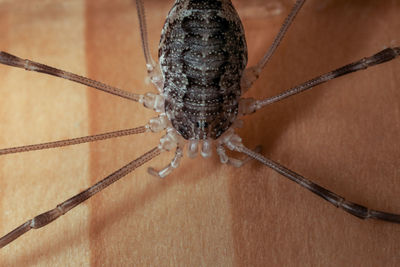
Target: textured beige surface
343	135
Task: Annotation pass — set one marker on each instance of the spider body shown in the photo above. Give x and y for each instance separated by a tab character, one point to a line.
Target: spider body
202	55
264	221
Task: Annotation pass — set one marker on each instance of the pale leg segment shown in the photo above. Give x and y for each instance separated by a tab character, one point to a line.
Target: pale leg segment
170	167
230	139
225	159
169	141
153	69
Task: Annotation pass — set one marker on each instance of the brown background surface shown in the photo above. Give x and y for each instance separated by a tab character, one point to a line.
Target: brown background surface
343	135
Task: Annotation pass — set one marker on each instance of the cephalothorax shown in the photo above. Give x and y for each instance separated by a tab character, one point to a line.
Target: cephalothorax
200	79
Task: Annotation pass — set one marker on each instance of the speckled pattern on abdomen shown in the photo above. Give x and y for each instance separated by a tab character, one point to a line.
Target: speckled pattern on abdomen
202	55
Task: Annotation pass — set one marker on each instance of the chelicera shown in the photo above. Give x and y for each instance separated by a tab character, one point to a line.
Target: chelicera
197	122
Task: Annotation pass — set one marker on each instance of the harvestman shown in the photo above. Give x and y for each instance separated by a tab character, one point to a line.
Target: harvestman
176	138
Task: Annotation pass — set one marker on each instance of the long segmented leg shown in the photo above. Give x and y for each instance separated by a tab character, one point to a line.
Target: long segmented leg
14	61
73	141
249	105
336	200
157	124
251	74
47	217
41	220
153	69
233	142
149	100
62	208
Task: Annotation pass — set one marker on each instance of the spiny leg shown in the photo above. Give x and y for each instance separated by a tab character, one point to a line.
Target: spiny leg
336	200
153	69
249	105
62	208
251	74
14	61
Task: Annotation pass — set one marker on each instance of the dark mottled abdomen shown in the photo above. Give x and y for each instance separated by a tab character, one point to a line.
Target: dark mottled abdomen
202	56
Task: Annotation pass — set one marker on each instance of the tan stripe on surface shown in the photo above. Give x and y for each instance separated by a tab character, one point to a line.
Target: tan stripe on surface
36	108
